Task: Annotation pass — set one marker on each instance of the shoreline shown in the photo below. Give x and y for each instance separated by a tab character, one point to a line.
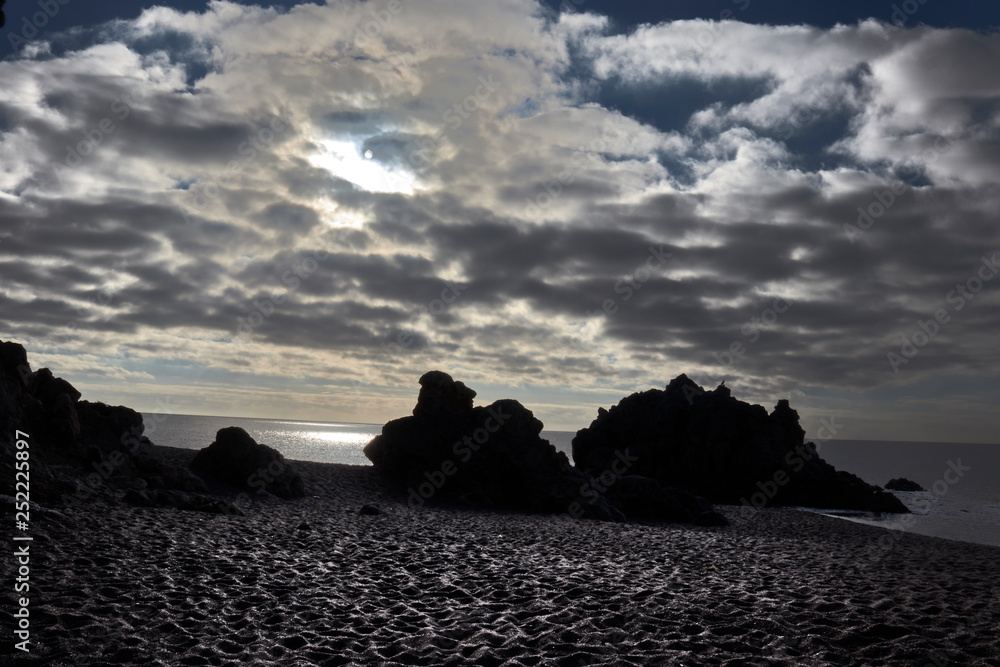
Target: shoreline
884	522
314	581
958	517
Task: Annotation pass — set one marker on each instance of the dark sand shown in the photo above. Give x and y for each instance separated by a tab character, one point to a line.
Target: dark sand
113	584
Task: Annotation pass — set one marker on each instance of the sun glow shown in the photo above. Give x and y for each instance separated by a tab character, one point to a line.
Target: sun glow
338	216
344	160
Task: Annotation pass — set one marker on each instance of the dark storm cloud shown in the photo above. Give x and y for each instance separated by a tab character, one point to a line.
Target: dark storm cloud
82	240
38	311
53	278
105	233
291	219
493	249
95	119
315	331
404	279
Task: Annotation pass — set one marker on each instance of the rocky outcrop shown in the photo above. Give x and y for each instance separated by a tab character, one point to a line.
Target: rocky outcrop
490	457
80	450
50	410
108	427
903	484
15	403
99	450
728	451
237	459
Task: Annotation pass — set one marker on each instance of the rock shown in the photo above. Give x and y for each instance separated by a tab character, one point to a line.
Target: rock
645	498
370	510
441	395
109	427
903	484
73	440
237	459
36	402
488	457
14	371
47	388
67	421
715	446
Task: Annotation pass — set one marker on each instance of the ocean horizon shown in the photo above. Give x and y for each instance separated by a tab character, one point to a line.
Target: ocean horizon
961	500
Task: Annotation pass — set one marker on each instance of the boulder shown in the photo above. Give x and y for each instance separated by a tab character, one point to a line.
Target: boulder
109	427
236	458
903	484
488	457
713	445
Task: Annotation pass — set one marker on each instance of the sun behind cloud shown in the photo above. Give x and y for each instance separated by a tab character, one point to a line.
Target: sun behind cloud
345	160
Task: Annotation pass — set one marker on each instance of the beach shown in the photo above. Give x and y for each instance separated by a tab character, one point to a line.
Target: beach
313	581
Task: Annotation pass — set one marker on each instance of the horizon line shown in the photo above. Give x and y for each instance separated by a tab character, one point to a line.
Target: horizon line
316	421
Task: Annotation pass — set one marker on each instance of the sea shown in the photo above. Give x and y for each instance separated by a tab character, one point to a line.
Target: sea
961	500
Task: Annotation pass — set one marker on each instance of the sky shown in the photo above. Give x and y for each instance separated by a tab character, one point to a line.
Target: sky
294	210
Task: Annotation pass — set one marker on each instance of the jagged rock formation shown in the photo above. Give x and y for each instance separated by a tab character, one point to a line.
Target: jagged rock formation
726	450
80	450
494	457
237	459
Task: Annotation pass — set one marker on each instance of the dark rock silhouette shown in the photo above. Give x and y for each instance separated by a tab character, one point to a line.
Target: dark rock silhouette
80	450
15	402
236	458
441	395
494	457
369	510
99	450
46	388
103	426
726	450
50	410
903	484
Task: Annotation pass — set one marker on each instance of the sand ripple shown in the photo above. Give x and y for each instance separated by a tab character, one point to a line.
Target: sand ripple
312	582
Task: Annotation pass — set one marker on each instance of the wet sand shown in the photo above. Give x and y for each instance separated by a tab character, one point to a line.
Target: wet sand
313	582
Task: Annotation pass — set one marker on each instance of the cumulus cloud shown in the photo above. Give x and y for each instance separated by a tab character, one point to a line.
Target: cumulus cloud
347	195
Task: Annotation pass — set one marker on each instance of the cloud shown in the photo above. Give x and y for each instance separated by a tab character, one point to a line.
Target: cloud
521	177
